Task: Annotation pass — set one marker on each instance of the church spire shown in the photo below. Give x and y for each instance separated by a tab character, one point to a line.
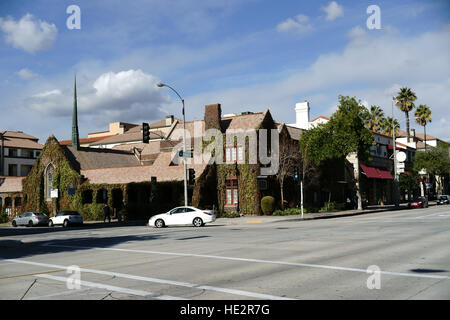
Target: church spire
75	136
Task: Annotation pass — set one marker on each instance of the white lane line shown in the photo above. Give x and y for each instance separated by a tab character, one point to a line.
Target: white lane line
163	281
113	288
401	274
64	293
429	215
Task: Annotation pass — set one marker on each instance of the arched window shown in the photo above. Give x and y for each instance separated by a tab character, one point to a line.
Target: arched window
49	173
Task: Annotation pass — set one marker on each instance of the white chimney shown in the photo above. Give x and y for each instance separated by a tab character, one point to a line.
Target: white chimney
302	115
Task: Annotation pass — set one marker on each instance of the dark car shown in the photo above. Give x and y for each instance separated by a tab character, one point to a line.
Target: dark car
418	202
30	219
444	199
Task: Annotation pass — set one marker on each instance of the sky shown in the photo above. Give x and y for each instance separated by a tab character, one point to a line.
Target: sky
247	55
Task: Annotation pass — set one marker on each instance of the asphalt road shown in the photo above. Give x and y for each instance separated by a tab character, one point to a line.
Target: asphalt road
317	259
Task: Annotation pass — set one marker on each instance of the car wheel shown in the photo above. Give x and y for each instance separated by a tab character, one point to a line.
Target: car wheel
14	224
50	223
159	223
30	223
66	223
197	222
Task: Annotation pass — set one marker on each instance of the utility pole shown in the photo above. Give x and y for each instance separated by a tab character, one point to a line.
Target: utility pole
396	193
2	154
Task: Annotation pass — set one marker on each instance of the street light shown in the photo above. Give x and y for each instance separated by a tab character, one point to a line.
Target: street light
160	85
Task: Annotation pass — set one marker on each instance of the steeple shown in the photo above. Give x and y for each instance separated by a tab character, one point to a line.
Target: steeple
75	136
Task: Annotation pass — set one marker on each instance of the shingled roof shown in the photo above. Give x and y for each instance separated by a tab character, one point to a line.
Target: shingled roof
96	158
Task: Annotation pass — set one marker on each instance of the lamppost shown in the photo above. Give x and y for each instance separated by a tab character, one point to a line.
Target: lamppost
184	141
396	191
1	153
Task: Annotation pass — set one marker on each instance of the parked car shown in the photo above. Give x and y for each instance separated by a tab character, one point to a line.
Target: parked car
444	199
182	216
418	202
30	219
66	218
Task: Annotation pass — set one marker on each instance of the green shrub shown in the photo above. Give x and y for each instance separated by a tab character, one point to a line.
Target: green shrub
289	212
333	206
226	214
92	212
3	216
268	205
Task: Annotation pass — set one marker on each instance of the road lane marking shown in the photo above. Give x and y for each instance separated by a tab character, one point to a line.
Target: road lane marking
64	293
295	264
433	214
113	288
162	281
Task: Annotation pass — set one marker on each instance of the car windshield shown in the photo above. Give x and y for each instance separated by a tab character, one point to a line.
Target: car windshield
68	213
443	197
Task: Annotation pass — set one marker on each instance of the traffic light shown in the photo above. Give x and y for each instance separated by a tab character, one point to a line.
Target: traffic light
191	176
297	173
145	132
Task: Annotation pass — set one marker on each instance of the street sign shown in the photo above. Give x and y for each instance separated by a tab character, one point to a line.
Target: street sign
400	170
400	165
188	154
54	193
401	156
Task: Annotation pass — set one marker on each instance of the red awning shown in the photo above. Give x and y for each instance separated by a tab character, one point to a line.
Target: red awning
375	173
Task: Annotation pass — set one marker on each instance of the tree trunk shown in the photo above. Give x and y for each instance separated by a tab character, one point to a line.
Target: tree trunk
425	136
282	196
407	125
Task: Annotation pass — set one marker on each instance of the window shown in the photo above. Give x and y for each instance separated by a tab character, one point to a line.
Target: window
49	180
232	192
233	154
12	170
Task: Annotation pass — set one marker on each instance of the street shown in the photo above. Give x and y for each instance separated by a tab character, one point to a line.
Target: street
316	259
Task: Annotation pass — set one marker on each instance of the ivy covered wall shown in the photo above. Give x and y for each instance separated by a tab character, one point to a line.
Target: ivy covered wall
63	177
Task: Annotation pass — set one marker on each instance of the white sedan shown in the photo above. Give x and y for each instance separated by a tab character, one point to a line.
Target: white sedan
182	216
66	218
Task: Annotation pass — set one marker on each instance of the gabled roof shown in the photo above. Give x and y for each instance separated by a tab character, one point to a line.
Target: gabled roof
18	134
320	117
14	142
95	158
421	136
84	140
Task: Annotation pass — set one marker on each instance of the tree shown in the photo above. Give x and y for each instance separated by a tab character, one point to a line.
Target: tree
387	126
343	135
423	116
435	161
289	157
373	118
405	101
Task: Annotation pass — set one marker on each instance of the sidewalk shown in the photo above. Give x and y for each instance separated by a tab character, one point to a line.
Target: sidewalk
306	216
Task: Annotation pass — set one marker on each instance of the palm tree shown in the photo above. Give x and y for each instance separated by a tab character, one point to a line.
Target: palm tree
387	125
373	118
405	101
423	116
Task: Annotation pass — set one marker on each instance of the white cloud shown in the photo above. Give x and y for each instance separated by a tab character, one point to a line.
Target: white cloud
372	68
356	32
333	11
26	74
123	96
298	24
28	33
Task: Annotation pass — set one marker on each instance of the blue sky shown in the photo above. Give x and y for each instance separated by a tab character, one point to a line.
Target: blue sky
248	55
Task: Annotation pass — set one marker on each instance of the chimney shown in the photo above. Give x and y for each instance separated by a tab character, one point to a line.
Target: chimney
213	116
302	115
169	120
